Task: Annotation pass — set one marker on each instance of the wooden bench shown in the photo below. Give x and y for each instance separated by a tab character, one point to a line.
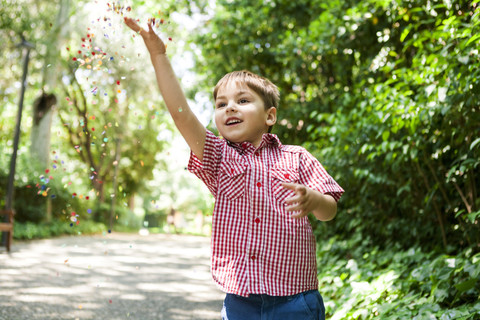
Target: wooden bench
7	226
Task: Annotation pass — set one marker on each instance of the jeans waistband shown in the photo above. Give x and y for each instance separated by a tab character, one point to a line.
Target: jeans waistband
265	298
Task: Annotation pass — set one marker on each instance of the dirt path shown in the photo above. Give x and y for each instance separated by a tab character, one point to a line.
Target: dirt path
115	276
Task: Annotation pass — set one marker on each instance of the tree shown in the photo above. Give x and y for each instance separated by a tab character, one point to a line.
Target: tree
129	112
34	22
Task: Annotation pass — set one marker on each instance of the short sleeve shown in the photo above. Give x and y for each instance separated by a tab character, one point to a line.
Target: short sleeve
314	176
207	170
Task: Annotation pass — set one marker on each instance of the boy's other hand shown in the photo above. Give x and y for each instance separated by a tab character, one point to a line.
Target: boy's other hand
303	201
153	42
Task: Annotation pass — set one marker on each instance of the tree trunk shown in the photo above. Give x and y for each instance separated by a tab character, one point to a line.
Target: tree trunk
43	106
42	122
114	187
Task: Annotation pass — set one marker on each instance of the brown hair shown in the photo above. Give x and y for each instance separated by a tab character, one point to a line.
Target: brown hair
262	86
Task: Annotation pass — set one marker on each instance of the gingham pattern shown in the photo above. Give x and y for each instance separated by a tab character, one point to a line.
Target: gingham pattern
257	248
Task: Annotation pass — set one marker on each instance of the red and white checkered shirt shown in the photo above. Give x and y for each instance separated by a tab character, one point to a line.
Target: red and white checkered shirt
257	248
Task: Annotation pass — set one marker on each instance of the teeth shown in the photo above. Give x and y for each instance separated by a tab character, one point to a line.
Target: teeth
233	121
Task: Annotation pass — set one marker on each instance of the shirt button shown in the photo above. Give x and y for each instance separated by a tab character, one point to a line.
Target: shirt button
287	176
257	154
257	220
253	257
259	184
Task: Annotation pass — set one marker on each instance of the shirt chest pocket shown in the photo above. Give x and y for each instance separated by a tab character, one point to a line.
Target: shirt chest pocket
279	175
231	180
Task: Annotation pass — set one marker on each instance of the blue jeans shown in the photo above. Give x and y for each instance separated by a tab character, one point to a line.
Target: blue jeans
307	305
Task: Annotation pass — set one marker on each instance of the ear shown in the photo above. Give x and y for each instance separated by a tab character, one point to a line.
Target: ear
271	118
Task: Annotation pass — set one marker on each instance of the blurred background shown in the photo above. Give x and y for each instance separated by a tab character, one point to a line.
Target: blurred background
383	92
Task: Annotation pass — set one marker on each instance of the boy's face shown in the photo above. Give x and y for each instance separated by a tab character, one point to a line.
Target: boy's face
240	114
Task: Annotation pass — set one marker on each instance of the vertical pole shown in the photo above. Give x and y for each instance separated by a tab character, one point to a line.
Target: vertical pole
16	139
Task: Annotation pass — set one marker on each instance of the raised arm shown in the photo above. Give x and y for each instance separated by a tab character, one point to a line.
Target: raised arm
185	120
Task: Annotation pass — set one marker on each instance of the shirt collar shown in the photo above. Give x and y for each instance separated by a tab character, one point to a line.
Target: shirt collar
268	139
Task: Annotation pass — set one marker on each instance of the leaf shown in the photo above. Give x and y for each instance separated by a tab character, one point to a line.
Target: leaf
459	213
466	285
474	143
429	89
385	135
475	37
405	33
473	216
463	59
442	94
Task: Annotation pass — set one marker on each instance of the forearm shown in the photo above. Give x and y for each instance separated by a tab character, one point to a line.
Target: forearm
169	86
185	120
326	206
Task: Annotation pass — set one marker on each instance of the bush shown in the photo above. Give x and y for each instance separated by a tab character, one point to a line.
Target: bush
383	93
29	230
33	185
359	281
123	217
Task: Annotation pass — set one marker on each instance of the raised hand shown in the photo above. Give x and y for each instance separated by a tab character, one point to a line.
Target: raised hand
154	44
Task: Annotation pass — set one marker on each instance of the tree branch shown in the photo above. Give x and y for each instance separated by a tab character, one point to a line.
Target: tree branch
462	195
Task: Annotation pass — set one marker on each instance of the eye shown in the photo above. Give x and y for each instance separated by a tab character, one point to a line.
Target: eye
221	105
243	100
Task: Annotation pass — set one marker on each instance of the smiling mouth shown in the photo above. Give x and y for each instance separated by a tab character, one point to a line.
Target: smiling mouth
233	122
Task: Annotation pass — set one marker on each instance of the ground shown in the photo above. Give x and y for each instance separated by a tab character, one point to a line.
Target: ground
109	277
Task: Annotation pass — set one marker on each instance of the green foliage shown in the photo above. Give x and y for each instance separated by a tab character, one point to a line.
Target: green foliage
128	113
32	187
29	230
123	217
382	92
363	282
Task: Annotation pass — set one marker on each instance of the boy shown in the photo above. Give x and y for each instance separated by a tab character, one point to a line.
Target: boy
263	248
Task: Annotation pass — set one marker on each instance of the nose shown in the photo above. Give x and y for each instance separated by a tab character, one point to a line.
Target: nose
231	107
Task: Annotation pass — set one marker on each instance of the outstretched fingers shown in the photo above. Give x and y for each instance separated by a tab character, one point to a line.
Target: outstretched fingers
132	24
150	26
154	44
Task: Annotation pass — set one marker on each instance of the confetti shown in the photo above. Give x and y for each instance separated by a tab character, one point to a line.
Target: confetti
90	53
